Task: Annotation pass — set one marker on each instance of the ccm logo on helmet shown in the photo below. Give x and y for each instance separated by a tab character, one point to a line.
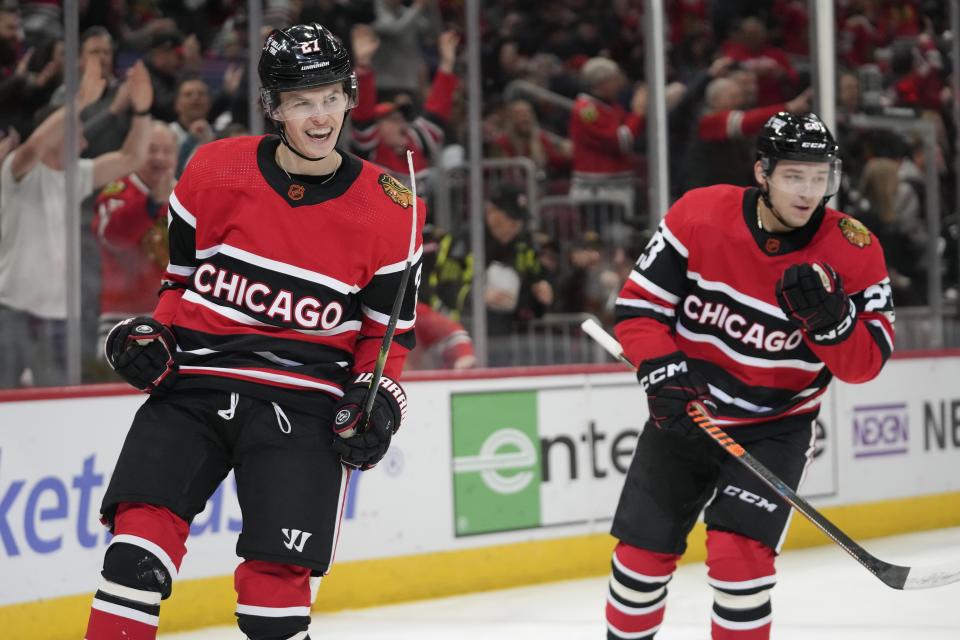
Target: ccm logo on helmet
306	312
659	375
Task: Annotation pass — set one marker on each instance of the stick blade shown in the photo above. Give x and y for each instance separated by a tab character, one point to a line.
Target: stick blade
930	577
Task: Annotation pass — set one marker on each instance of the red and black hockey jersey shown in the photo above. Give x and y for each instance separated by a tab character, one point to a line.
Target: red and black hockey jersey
282	287
603	138
705	285
129	226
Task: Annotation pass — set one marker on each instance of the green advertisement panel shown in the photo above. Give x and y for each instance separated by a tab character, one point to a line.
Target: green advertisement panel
496	461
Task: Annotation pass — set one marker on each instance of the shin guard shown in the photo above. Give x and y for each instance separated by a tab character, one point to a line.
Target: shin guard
138	571
637	594
741	572
273	600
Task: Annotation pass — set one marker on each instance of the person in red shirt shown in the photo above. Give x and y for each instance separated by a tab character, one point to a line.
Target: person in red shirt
721	152
130	222
776	77
382	132
603	135
748	301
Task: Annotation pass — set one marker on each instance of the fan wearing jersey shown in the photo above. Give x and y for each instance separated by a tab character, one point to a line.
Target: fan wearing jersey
286	257
748	300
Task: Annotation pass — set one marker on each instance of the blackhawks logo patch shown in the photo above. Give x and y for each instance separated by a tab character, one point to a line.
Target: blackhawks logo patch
115	187
395	190
589	114
855	233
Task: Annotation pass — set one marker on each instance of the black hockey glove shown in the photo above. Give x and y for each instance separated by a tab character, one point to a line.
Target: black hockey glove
141	351
812	297
364	449
670	386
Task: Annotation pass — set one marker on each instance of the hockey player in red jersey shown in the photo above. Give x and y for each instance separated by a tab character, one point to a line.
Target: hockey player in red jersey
286	257
749	300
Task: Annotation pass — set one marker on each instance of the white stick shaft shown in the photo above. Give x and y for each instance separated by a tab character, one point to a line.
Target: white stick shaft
593	329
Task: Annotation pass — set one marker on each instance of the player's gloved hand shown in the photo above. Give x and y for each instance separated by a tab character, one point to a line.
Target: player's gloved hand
670	386
141	351
363	449
812	297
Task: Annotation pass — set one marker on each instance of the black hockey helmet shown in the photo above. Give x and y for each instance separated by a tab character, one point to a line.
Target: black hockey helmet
302	57
801	139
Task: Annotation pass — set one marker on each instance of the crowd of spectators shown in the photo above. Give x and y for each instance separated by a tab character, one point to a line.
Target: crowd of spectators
563	86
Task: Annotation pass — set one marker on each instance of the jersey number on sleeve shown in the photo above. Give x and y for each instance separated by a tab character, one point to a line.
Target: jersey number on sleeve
654	247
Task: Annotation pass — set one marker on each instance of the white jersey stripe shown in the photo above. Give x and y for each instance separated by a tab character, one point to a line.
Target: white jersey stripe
672	239
806	467
181	211
125	612
719	394
735	124
177	270
272	612
741	626
267	376
742	585
341	503
636	575
883	330
630	635
399	266
742	298
634	611
242	318
279	267
151	598
643	304
384	319
751	361
656	290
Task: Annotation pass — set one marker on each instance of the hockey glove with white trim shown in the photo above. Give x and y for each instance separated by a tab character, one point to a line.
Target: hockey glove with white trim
141	351
670	386
364	449
812	297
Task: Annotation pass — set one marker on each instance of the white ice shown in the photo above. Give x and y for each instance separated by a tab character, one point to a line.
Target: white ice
821	594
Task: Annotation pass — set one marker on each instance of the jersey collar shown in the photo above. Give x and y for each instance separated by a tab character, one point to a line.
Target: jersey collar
299	193
776	244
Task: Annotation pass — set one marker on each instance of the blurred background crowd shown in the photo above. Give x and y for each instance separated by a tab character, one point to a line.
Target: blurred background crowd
565	171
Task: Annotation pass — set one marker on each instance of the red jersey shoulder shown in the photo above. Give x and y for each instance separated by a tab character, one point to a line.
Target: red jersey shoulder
703	208
587	109
852	250
223	163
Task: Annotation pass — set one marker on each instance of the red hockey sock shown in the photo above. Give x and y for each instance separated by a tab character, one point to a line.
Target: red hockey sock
741	571
127	603
273	599
637	594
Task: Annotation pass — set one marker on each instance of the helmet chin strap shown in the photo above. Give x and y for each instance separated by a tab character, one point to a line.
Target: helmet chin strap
283	139
765	196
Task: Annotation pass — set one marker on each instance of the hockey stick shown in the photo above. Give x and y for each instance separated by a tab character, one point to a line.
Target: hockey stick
892	575
397	303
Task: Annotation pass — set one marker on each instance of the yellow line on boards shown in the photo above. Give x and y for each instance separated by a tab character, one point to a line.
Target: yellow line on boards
366	583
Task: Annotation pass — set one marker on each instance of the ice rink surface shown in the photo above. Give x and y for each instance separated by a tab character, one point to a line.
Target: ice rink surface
821	594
